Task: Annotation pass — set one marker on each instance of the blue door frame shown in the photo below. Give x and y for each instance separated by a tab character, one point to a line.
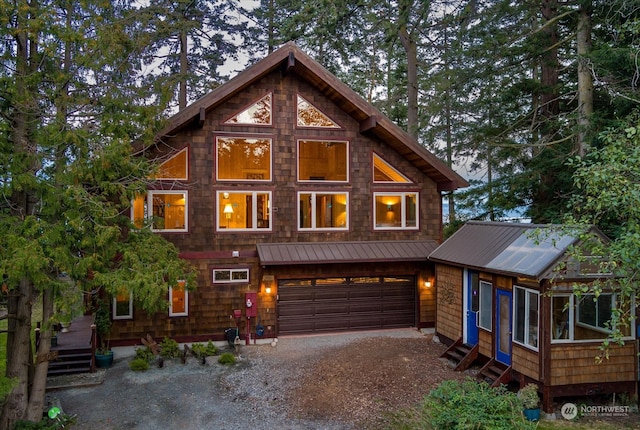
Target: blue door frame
503	326
473	306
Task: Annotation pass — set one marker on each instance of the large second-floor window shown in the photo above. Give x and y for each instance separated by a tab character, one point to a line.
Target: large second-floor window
321	161
395	210
244	210
323	210
243	159
163	210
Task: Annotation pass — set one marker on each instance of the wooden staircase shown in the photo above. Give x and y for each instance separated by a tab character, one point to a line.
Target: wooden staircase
461	355
71	361
495	373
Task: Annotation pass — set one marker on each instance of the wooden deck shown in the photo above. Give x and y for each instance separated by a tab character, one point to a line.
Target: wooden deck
78	336
74	351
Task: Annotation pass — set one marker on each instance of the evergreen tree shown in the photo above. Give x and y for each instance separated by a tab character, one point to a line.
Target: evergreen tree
72	100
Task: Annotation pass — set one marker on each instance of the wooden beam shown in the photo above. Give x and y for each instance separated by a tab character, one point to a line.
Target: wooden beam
289	64
201	117
368	124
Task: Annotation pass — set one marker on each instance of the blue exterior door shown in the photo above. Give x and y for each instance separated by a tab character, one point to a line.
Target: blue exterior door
473	306
503	326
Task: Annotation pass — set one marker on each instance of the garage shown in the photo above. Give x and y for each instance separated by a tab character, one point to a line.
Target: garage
347	286
345	303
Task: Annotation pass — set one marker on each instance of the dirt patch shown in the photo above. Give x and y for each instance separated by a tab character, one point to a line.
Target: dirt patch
365	380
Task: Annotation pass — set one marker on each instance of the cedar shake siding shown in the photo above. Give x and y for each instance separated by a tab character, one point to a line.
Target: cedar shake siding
228	207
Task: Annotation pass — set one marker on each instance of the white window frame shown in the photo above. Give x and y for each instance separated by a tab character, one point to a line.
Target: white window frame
313	211
485	308
231	280
403	210
220	197
598	328
573	310
526	342
129	315
186	303
148	211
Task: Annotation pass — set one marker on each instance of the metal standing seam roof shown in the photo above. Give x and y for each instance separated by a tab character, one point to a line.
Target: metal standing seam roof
274	254
509	248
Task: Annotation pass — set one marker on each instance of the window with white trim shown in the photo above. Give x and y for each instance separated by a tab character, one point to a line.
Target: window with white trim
244	210
229	276
395	210
526	316
486	305
323	211
179	299
584	318
243	158
164	211
123	306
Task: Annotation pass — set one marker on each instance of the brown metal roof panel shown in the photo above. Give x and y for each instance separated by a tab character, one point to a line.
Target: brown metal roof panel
344	252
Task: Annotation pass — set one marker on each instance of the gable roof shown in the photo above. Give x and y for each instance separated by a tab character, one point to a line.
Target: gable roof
290	59
275	254
512	249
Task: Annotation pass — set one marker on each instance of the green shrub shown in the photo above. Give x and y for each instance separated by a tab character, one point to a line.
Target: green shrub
145	354
200	350
169	348
46	423
465	405
227	358
139	364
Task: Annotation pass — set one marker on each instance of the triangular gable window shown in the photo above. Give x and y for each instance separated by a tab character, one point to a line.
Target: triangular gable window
384	172
258	113
310	116
175	167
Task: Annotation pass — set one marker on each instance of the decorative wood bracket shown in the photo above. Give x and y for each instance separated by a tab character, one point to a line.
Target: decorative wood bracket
289	64
368	124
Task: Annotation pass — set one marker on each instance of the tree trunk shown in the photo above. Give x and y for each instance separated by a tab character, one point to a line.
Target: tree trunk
39	382
411	50
585	79
184	70
19	309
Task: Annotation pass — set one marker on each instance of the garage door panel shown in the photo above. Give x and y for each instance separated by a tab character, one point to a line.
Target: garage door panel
328	307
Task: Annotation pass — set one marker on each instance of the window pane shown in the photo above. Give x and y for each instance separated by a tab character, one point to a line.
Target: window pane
520	314
240	275
178	299
532	338
257	113
322	161
122	305
410	210
486	304
560	318
139	211
310	116
388	210
175	167
243	159
318	210
168	211
384	172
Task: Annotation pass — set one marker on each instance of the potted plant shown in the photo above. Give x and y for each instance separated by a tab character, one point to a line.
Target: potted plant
528	395
102	320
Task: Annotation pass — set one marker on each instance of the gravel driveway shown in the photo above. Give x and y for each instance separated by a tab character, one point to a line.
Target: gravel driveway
264	390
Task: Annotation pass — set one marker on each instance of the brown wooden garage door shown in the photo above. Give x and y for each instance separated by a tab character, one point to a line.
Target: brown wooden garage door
341	304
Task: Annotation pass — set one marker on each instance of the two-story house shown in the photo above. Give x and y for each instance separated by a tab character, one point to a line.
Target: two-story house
285	188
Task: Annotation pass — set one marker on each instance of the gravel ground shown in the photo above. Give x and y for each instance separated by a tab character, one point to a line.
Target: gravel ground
330	382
